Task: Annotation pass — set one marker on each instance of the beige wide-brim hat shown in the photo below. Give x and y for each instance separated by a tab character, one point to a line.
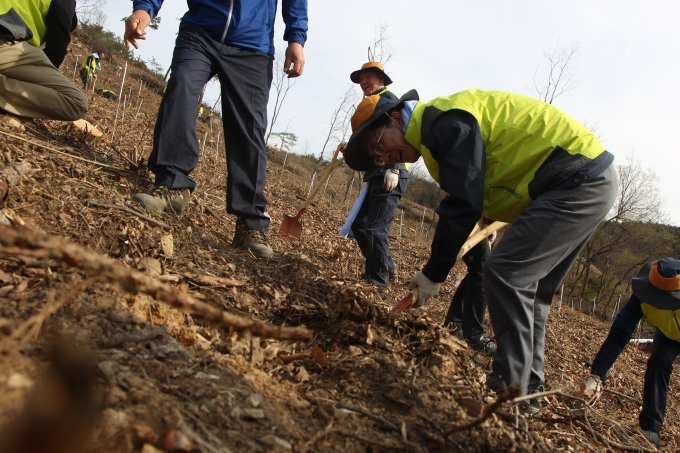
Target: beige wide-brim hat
373	66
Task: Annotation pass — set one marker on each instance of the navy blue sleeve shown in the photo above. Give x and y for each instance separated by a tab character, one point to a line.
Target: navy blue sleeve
295	17
619	336
456	143
150	6
59	22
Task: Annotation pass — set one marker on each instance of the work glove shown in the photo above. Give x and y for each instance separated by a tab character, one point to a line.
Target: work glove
592	389
426	288
391	180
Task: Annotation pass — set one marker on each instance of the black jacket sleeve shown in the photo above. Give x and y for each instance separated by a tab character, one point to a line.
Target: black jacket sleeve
456	143
60	21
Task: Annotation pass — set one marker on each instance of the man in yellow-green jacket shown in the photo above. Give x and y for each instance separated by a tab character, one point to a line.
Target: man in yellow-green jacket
505	157
30	84
656	294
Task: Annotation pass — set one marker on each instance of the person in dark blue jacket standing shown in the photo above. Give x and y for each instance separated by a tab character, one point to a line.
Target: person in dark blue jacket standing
235	40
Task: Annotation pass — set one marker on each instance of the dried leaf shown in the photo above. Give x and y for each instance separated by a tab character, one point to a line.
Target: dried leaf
370	336
21	287
473	407
150	266
33	272
271	351
318	356
144	433
214	281
302	375
84	125
167	245
65	217
175	441
452	343
5	277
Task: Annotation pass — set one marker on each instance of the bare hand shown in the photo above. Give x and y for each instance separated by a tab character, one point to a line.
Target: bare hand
295	56
135	27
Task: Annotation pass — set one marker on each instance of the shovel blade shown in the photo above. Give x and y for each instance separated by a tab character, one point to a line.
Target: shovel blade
291	228
405	303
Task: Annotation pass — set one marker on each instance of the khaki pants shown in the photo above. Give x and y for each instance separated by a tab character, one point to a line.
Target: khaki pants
31	86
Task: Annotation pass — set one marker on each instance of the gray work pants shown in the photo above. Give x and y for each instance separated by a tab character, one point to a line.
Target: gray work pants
528	265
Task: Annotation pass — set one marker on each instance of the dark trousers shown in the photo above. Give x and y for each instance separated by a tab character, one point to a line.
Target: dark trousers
245	77
86	77
657	376
372	225
469	302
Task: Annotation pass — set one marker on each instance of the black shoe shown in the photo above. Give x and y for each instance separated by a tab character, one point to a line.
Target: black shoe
482	343
253	240
533	406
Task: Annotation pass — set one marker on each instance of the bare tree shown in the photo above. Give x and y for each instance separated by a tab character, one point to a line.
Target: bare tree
340	121
560	77
281	84
91	11
381	50
631	235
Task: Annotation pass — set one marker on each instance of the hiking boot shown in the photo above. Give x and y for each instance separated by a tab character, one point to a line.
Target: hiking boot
533	406
253	240
482	343
161	199
652	436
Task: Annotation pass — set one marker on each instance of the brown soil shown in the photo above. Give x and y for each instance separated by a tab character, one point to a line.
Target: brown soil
210	390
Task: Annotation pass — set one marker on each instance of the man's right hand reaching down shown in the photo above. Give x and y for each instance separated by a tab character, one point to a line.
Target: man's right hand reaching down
135	27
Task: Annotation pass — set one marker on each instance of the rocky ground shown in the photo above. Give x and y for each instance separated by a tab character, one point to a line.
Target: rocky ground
124	372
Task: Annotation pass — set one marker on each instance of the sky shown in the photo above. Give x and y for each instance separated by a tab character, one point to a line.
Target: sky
628	63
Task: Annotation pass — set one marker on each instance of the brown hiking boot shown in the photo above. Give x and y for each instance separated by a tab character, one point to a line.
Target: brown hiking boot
393	274
161	199
253	240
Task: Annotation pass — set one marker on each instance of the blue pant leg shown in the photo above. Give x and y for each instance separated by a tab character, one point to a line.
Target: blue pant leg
378	220
245	77
175	146
657	377
359	227
474	303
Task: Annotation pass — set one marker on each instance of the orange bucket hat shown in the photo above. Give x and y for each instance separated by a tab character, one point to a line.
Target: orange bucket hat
658	284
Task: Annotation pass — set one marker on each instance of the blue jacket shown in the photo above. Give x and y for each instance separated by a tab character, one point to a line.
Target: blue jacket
248	24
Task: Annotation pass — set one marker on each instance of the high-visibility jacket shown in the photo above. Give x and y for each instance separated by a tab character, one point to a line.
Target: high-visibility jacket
668	321
91	63
39	22
529	144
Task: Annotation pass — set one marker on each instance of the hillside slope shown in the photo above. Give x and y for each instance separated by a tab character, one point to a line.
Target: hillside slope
365	382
